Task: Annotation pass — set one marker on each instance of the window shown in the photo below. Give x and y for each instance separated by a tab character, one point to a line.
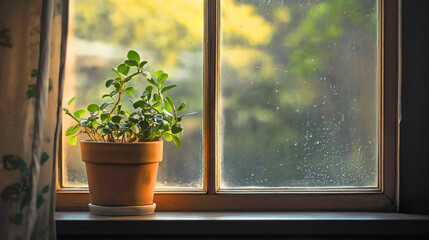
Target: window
99	35
297	99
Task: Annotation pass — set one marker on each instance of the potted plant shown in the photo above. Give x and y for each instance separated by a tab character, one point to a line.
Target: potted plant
125	147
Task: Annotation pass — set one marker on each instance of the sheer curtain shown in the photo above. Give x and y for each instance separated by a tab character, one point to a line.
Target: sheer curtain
32	53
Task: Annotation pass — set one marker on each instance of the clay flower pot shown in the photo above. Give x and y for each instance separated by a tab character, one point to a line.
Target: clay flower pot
121	176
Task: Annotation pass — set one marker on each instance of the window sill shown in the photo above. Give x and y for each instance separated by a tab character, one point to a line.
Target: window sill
244	223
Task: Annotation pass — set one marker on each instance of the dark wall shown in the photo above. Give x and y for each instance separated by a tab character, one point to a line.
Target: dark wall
414	150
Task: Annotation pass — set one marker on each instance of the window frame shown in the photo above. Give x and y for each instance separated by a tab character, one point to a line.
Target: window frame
384	198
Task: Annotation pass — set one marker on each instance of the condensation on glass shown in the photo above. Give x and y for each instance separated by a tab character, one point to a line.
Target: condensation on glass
299	94
169	35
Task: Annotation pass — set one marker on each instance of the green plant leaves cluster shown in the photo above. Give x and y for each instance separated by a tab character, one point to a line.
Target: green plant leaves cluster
154	115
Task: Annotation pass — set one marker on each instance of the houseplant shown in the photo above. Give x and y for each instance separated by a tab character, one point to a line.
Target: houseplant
124	148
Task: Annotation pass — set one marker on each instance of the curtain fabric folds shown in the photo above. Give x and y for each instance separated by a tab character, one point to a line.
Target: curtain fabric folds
32	53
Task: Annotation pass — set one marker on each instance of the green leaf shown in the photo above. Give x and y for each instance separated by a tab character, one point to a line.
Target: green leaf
168	107
133	120
151	81
149	89
129	91
105	95
45	189
72	140
156	97
164	125
126	71
149	133
170	102
93	107
71	101
43	158
133	55
121	68
176	128
162	77
157	105
147	75
165	89
116	119
132	63
104	105
142	64
158	73
104	117
117	86
168	137
79	113
139	104
176	141
74	130
181	107
144	124
68	131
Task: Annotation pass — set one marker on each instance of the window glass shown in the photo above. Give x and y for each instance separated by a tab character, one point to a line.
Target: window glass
299	94
169	35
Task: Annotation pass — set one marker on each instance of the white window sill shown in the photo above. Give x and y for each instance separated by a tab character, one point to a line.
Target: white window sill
244	223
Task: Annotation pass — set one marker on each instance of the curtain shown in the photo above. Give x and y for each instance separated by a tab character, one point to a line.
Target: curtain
32	53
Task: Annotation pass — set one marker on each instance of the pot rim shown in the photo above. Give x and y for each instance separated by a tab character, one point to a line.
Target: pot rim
121	153
120	143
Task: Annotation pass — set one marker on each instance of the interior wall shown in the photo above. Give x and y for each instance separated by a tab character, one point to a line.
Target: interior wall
414	149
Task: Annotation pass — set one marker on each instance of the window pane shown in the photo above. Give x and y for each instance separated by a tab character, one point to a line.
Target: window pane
299	94
100	35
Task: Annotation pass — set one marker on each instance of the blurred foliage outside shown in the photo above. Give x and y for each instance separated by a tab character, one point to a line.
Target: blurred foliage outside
299	85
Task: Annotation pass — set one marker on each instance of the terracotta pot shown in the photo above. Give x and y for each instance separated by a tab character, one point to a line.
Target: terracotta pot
121	174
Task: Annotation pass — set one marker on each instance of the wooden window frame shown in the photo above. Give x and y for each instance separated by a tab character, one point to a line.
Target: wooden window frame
383	198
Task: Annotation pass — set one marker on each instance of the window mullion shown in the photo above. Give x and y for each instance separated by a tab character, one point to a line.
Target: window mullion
211	91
